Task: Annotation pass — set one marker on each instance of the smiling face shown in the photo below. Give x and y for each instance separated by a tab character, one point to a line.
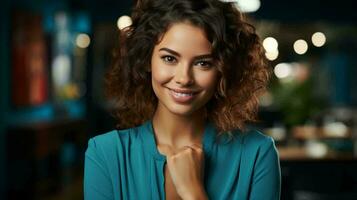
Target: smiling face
184	77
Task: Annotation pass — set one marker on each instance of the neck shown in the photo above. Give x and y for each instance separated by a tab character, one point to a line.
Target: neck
176	130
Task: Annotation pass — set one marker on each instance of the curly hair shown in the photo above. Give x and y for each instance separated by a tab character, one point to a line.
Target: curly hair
242	66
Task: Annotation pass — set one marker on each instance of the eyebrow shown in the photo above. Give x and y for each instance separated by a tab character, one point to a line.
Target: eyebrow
178	55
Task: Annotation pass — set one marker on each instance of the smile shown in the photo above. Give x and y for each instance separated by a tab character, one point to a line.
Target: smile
182	96
179	94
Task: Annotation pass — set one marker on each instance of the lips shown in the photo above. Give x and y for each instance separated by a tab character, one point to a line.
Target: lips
182	96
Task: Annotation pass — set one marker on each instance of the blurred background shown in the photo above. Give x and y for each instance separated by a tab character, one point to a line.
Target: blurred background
54	55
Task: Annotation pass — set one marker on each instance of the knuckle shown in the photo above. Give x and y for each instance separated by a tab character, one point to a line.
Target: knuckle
172	159
190	150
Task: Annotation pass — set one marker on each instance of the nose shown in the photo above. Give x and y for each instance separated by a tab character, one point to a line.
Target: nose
183	75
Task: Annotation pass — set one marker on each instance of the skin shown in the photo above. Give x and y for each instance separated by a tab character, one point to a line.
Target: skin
182	60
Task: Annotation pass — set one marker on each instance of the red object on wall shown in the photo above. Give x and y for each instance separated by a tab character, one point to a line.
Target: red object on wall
29	73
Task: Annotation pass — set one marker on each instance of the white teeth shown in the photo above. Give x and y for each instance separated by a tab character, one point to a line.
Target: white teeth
179	94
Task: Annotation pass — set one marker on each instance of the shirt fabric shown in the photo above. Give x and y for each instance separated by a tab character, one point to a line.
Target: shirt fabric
126	164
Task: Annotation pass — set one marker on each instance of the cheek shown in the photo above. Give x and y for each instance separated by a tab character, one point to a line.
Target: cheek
208	81
160	74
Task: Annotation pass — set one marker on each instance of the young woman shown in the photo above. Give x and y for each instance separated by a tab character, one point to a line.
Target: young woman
186	80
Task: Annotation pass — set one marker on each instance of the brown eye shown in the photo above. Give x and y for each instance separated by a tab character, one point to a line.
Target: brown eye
169	59
204	64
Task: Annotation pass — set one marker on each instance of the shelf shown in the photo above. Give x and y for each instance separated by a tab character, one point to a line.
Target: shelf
310	133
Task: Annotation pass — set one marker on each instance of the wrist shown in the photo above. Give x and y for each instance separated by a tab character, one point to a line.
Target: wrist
197	193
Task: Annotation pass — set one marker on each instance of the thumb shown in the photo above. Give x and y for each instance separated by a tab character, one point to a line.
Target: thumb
167	151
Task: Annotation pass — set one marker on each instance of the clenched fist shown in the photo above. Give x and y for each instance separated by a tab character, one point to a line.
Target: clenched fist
186	167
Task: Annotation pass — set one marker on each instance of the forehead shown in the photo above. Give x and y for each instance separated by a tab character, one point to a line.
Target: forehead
185	38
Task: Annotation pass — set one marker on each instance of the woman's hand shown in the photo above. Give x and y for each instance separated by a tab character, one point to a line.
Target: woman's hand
186	168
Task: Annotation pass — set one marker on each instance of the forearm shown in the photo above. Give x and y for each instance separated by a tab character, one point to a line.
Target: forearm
197	193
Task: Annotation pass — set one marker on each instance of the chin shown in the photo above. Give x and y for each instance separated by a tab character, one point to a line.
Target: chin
181	110
185	110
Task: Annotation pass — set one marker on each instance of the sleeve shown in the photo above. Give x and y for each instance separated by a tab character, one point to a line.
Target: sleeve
97	183
266	183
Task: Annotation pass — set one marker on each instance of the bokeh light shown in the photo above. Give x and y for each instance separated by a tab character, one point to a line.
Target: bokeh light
272	55
82	40
123	22
318	39
300	46
248	5
283	70
270	44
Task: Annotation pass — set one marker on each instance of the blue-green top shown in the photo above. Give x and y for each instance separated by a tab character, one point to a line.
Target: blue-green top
125	164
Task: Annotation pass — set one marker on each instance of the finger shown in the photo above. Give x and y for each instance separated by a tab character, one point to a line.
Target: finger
166	150
169	152
196	147
185	148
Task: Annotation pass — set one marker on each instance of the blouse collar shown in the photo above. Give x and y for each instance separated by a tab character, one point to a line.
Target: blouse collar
147	132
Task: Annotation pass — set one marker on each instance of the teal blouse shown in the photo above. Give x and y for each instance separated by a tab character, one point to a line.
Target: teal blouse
125	164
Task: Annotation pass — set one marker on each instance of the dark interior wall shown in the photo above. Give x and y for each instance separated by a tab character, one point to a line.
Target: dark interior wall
4	101
99	11
302	11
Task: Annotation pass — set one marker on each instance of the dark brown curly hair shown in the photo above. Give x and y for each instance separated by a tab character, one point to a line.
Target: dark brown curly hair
236	47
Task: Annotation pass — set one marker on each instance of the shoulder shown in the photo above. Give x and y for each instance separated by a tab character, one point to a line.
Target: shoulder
111	142
261	161
260	148
255	142
251	141
109	138
105	138
256	138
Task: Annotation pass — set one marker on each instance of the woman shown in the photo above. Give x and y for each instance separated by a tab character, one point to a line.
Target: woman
185	81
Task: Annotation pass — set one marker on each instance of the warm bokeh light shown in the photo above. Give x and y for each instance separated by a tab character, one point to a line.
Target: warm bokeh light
336	129
318	39
248	5
61	70
283	70
82	40
316	149
300	46
270	44
272	55
123	22
266	99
